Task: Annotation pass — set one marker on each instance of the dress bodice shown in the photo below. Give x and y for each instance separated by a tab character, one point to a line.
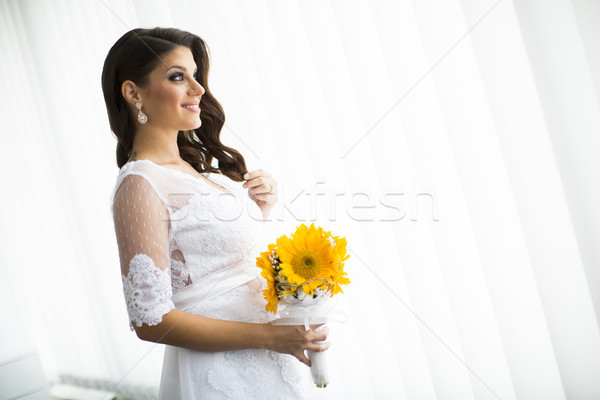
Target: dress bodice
212	228
187	244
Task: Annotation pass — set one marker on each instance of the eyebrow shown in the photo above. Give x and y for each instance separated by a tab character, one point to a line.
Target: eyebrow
180	67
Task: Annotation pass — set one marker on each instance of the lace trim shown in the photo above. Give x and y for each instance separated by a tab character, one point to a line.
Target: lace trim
253	374
180	275
147	291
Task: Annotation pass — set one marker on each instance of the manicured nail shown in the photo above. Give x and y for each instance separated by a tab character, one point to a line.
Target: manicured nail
246	176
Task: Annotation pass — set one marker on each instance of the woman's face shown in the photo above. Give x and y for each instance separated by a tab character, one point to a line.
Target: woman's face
172	98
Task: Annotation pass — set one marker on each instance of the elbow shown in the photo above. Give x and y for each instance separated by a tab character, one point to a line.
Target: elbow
142	333
149	333
153	330
153	333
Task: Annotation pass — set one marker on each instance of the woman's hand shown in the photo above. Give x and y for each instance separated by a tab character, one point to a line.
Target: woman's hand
294	340
262	188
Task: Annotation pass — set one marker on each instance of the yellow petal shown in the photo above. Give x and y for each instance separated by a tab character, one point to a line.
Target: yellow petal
286	249
263	261
299	240
313	240
267	275
325	252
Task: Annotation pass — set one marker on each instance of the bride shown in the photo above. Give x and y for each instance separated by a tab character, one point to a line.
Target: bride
187	231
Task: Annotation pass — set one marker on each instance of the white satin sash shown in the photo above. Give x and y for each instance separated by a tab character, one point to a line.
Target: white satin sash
215	284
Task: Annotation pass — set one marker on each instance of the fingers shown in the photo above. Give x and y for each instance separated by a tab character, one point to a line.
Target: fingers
257	172
321	331
266	192
261	186
295	340
317	347
262	191
302	358
316	337
260	183
257	181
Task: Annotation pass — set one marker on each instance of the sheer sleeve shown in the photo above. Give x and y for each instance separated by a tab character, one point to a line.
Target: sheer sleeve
141	222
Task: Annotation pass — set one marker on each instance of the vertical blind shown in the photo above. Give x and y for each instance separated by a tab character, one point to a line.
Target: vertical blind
453	143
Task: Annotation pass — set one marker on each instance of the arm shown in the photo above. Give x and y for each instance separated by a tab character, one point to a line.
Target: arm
142	229
183	329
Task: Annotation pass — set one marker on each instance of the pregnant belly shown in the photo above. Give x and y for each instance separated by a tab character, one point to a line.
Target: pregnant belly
242	303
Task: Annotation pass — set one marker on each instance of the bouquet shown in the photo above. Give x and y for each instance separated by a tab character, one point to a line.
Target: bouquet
300	272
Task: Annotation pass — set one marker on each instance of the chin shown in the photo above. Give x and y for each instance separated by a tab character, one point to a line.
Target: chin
189	127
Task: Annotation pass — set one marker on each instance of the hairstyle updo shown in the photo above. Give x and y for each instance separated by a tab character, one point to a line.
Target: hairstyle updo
133	57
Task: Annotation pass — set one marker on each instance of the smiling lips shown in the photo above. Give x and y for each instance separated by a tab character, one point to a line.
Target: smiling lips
192	106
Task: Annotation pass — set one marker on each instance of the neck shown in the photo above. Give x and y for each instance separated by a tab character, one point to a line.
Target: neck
158	145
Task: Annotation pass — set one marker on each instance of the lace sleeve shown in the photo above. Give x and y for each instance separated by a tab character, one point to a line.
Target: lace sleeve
142	228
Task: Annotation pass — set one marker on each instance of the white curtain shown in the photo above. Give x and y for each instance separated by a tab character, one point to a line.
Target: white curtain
453	143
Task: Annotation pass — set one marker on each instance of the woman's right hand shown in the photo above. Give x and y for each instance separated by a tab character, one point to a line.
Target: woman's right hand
294	340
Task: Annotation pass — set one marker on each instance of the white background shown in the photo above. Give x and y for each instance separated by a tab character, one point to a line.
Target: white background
478	120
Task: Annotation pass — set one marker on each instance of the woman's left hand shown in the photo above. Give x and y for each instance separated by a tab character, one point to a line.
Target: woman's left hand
262	188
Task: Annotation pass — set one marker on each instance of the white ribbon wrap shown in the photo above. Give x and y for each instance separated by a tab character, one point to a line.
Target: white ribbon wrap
214	284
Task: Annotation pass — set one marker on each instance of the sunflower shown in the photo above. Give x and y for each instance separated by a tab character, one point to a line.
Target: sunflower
268	272
339	276
312	258
308	255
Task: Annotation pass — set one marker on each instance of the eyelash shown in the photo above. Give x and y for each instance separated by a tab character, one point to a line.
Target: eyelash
180	74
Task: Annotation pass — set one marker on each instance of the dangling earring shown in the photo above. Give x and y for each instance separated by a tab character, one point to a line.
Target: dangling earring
142	118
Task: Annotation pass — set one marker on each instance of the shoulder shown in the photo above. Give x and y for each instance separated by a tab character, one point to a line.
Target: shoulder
137	178
139	167
136	171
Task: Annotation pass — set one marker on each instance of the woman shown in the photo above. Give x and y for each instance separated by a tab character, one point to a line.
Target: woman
186	236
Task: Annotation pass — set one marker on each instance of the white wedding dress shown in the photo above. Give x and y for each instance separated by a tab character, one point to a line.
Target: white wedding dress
186	244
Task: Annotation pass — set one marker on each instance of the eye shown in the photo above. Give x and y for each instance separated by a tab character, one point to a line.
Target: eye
175	77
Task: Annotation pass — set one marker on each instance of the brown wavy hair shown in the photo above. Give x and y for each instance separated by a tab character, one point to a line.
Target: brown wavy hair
133	57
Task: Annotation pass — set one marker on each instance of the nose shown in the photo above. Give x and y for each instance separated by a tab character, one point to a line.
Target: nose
196	87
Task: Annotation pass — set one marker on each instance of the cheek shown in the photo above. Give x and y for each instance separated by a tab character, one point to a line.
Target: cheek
166	99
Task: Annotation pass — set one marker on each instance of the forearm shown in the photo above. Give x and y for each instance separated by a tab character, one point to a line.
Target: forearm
195	332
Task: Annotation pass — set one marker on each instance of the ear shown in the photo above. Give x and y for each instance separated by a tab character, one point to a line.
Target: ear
130	92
